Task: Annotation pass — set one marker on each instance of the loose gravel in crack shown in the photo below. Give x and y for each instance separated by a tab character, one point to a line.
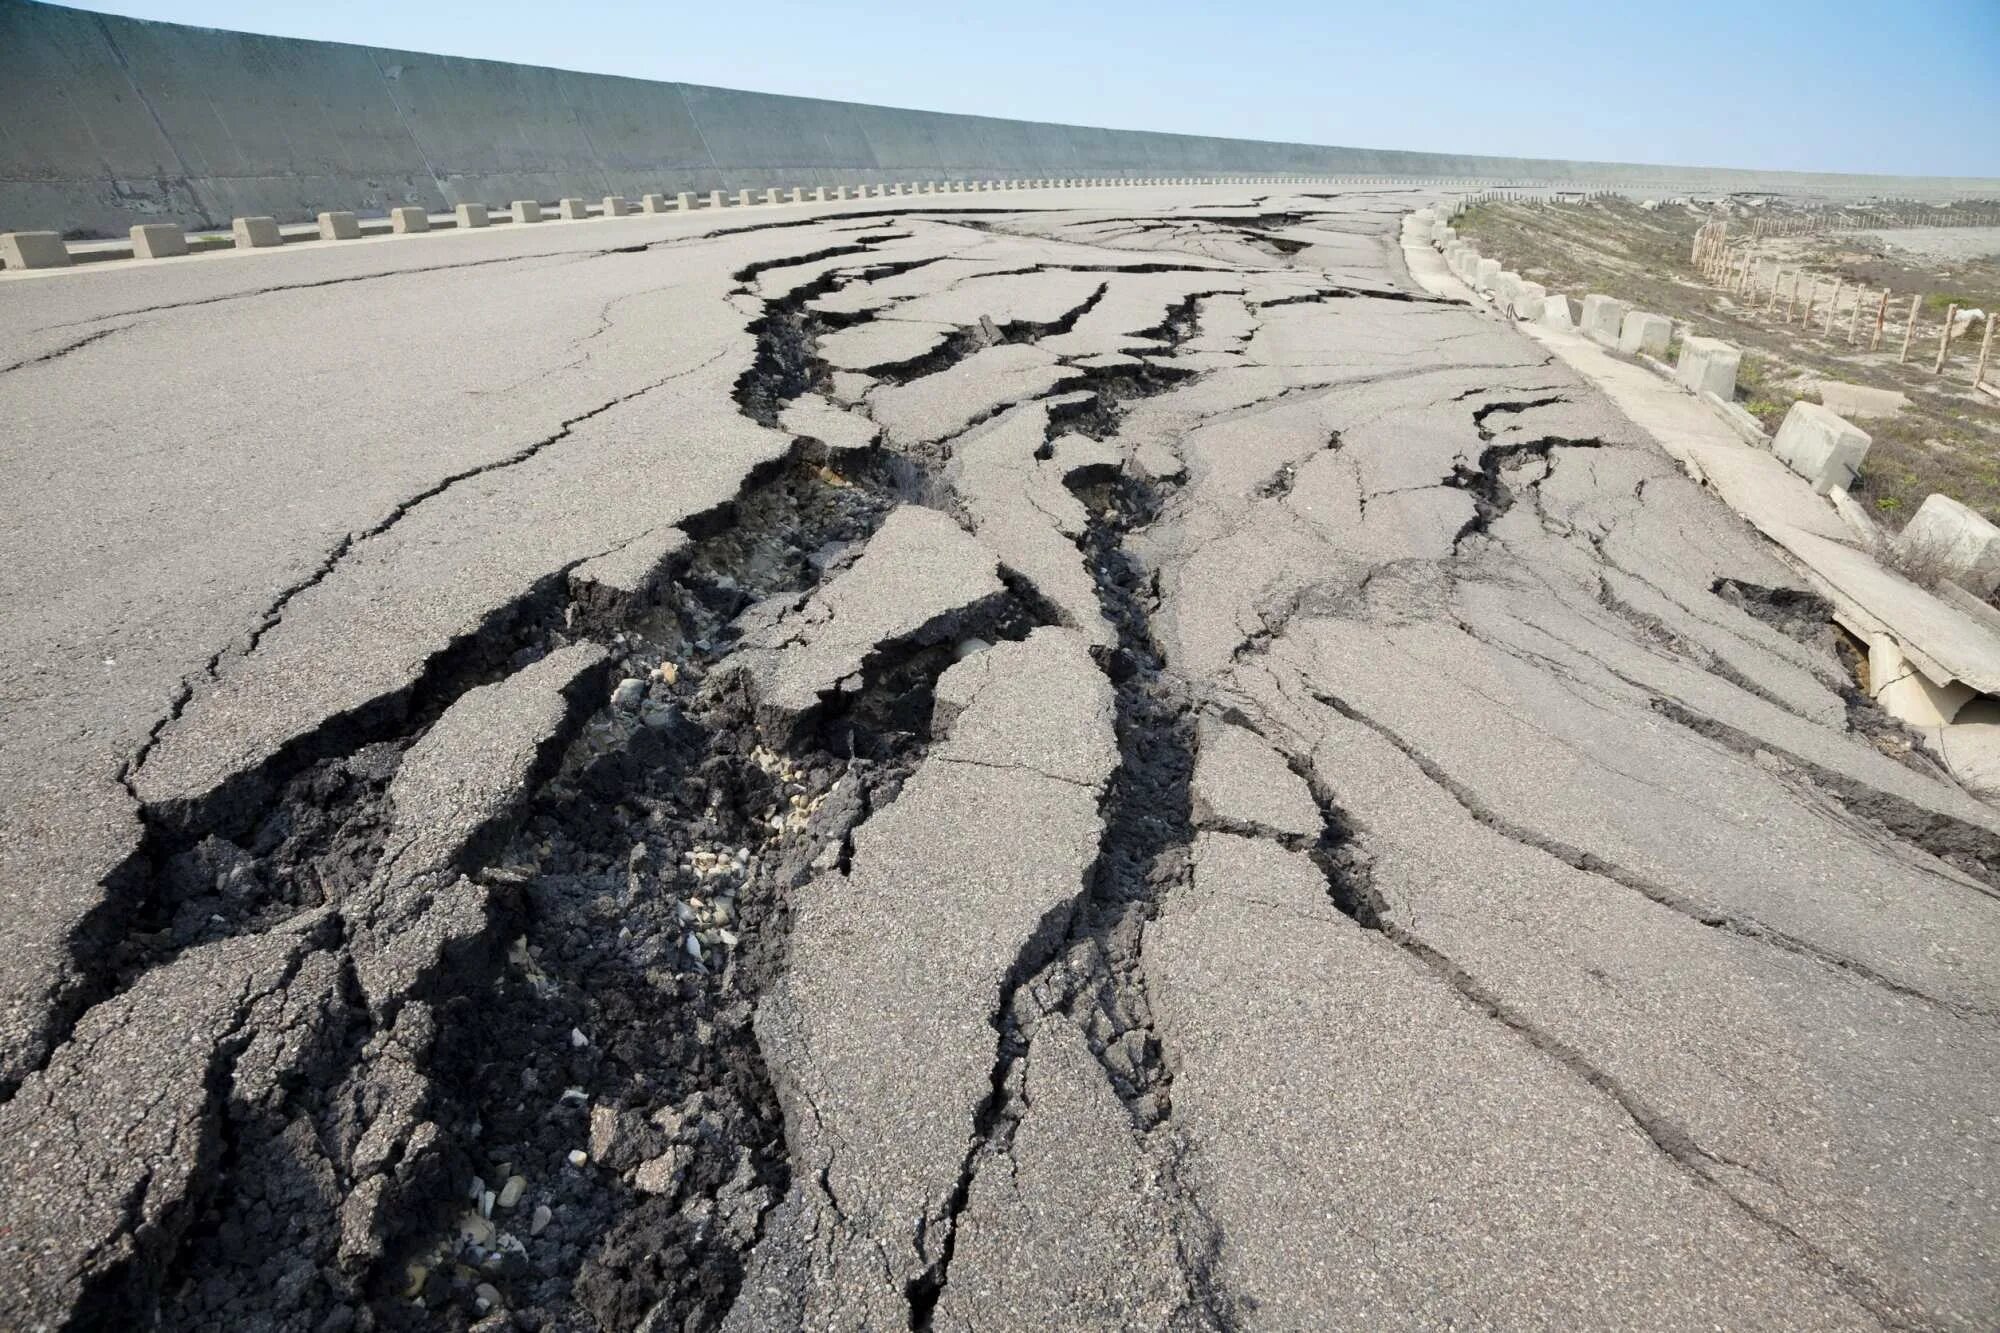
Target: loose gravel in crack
616	1141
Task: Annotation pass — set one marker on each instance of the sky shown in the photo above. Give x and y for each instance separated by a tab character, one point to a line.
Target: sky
1910	88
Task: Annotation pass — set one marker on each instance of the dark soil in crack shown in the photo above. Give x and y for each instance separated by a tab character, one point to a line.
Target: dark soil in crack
1092	973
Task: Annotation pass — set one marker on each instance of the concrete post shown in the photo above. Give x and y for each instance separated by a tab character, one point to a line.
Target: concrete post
158	240
1644	332
255	233
820	195
744	199
684	201
403	220
652	203
615	206
469	215
1821	446
338	227
527	210
33	249
772	196
1604	317
715	199
573	209
798	196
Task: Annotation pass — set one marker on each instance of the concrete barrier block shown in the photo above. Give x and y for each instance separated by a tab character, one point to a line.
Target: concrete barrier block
468	216
1483	276
1708	365
340	226
745	199
716	199
572	209
772	196
158	240
615	206
652	203
256	233
1604	317
820	195
406	220
1820	445
1959	543
1645	332
1505	284
34	249
1526	301
526	210
1555	312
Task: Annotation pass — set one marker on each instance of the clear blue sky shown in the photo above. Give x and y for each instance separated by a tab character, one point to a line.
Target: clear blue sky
1909	88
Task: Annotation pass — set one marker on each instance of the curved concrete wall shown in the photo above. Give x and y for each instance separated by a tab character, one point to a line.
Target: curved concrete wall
107	121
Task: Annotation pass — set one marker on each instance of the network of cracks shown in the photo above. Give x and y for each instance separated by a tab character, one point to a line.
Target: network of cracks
588	1133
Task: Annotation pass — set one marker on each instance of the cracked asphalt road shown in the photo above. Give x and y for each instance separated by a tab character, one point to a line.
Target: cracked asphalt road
1073	762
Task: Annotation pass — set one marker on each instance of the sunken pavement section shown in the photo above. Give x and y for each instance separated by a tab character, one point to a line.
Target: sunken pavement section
978	769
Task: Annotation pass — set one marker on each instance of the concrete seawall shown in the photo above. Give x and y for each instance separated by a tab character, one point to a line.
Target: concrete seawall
107	121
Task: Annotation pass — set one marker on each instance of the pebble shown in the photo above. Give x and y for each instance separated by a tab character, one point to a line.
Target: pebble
486	1203
628	693
668	672
487	1292
577	1039
476	1229
578	1157
540	1220
693	946
511	1192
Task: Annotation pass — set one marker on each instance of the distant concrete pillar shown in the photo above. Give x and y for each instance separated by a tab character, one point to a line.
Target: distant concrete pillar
338	227
820	195
798	196
744	199
771	196
158	240
469	216
255	233
527	210
615	206
652	203
409	220
684	201
573	209
715	199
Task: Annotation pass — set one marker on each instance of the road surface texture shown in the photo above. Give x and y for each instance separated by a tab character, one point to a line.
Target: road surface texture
1079	761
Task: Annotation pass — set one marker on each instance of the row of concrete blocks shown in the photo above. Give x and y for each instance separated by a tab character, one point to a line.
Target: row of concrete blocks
164	240
1813	441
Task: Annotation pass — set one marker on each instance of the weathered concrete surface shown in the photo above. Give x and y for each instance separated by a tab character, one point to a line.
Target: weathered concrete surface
863	770
113	121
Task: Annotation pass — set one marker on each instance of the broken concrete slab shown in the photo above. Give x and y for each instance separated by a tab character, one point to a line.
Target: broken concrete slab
954	891
1242	784
1858	400
921	581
